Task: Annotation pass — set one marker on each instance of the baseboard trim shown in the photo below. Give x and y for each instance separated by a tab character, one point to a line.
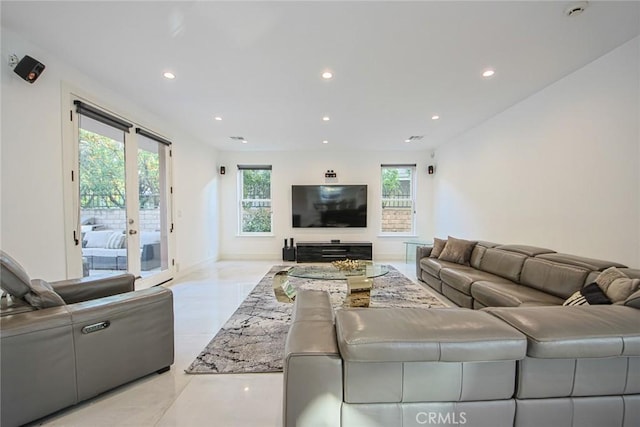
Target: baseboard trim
251	257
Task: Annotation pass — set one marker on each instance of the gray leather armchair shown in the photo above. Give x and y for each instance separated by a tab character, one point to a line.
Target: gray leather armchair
65	342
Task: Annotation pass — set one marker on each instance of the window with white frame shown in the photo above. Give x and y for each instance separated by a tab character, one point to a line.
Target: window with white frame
254	195
398	199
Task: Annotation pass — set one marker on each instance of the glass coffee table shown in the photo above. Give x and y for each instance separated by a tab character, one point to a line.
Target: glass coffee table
359	280
330	272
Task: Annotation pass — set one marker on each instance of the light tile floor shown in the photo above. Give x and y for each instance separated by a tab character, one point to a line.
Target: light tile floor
203	301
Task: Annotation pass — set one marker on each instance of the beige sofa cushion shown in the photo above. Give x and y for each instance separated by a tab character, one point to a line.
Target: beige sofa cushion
457	250
438	246
617	285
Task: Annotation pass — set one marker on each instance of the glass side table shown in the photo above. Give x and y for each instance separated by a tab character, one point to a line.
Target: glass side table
413	244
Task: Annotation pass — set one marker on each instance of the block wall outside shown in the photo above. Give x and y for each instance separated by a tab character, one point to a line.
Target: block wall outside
397	219
116	219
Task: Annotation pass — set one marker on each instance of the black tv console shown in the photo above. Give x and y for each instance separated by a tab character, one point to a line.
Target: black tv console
327	252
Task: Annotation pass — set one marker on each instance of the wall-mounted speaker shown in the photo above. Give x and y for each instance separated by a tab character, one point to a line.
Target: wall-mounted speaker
223	170
29	69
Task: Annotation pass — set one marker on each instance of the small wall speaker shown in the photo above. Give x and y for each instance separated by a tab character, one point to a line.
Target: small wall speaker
29	69
430	169
223	170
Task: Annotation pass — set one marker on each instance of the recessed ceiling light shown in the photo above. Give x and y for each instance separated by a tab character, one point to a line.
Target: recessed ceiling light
327	75
435	117
488	73
407	140
325	142
326	118
244	141
218	118
169	75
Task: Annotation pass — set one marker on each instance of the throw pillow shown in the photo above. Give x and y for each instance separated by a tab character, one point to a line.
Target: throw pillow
457	250
589	295
42	295
118	241
622	288
617	285
114	241
605	278
97	239
15	280
438	246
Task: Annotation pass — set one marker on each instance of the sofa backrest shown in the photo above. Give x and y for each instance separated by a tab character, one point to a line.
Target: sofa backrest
554	278
503	263
526	249
478	252
580	261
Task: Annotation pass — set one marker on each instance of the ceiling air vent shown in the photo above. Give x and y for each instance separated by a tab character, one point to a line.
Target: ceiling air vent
414	138
238	139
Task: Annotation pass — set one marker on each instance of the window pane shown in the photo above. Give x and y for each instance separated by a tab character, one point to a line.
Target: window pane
397	200
256	184
256	216
102	198
153	214
255	206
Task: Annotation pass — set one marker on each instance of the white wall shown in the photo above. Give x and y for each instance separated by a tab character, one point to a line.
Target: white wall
32	217
560	169
304	167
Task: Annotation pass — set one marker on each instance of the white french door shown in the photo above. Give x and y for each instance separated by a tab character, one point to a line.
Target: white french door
121	196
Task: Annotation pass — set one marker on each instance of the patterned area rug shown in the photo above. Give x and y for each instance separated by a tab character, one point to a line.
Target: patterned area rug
252	340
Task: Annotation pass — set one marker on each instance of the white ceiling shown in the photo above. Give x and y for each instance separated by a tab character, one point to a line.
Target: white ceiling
258	64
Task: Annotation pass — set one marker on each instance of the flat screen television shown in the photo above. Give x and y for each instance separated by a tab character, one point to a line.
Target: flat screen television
331	206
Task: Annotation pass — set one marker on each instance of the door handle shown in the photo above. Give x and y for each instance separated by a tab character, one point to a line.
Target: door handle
132	232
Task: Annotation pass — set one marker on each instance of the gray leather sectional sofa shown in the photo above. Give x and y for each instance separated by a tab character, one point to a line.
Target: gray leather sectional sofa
68	341
510	275
527	361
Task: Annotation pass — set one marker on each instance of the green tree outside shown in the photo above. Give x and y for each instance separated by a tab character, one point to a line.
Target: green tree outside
390	183
102	174
256	204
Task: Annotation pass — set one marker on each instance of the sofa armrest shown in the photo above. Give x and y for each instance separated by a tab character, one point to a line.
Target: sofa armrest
421	252
121	338
38	365
312	364
85	289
